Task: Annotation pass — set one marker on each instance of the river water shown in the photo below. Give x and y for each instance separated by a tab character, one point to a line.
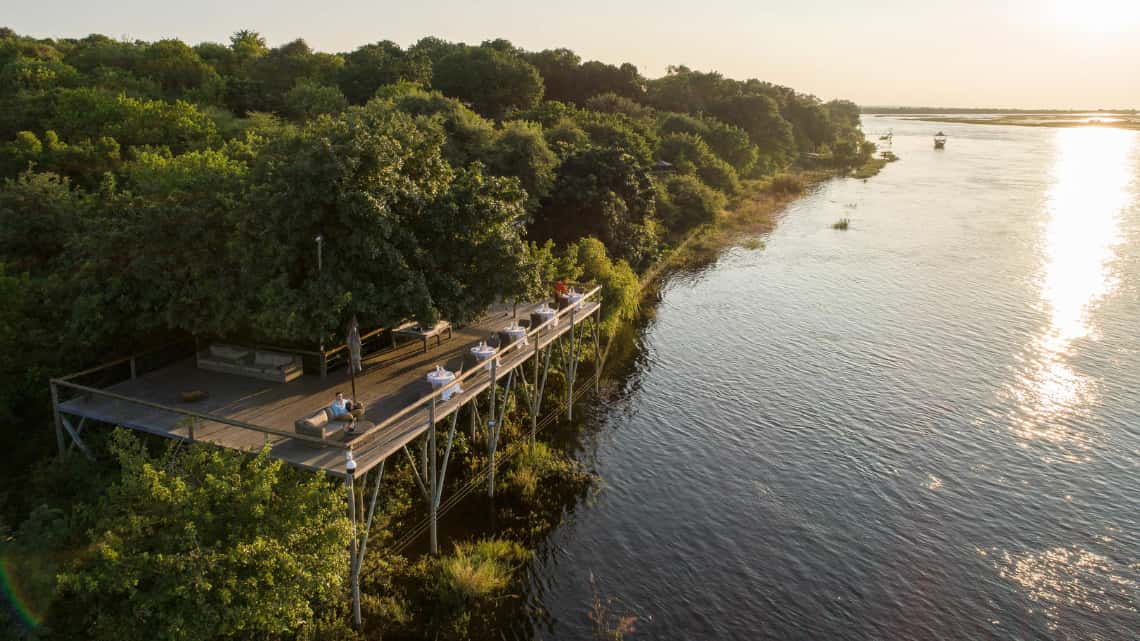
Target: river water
924	427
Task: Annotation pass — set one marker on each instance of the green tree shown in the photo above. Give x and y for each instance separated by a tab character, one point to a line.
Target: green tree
493	82
308	99
621	290
684	202
281	68
606	194
383	63
39	212
759	116
689	154
520	150
177	69
205	543
469	135
31	74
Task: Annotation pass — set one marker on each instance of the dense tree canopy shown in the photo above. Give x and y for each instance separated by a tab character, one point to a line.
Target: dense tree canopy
492	81
151	190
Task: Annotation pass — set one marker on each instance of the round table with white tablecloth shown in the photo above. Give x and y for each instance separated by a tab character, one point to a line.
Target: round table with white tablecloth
439	377
516	333
483	353
569	298
542	314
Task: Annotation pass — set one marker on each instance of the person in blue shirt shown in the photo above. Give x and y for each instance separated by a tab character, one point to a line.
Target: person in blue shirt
345	410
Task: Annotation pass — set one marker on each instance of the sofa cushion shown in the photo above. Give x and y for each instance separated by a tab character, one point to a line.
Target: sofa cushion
228	352
272	359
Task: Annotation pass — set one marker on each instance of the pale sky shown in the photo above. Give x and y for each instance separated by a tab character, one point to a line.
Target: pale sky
1017	53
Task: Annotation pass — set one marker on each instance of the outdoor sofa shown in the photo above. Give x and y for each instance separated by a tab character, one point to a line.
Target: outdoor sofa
255	363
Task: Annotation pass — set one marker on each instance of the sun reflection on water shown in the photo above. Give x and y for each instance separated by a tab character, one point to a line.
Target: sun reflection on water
1092	180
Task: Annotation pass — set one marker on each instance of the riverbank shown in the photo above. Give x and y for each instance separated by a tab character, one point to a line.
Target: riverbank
752	213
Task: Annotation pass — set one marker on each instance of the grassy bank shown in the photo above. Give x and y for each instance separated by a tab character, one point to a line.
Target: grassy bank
751	213
1111	121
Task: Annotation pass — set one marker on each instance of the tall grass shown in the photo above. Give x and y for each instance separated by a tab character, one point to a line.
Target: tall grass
532	463
841	224
786	184
481	569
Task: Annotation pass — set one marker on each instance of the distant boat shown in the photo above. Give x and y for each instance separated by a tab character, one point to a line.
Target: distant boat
940	140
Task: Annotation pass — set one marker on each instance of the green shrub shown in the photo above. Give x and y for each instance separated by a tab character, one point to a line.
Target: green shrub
683	202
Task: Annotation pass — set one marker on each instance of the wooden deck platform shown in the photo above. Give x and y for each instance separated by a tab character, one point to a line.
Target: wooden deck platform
392	387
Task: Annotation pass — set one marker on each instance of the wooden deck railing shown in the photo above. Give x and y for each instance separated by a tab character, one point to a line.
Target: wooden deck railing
500	352
199	415
67	382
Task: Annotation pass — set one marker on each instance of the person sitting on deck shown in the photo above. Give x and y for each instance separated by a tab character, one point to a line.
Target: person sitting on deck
345	410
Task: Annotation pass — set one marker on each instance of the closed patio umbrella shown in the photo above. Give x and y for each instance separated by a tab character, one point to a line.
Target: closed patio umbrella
354	365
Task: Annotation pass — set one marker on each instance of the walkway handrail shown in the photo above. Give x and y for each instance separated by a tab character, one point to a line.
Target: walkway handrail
499	352
120	361
204	417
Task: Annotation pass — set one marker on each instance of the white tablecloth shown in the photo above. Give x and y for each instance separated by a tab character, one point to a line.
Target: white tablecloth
545	313
483	353
517	333
439	378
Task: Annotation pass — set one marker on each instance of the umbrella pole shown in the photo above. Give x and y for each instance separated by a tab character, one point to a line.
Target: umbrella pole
352	369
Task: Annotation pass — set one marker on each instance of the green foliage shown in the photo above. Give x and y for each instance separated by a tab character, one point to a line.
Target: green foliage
566	137
39	213
204	544
383	63
533	464
759	116
610	102
468	135
520	150
281	68
605	194
84	161
619	132
492	82
684	202
842	224
88	113
308	99
466	583
176	68
31	74
567	79
621	291
689	154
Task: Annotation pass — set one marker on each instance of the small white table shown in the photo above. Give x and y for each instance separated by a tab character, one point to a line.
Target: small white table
439	377
516	333
483	352
572	298
546	313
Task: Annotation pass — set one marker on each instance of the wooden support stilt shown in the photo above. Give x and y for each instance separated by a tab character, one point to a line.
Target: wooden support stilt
354	558
75	437
570	366
534	394
57	418
492	431
597	350
433	502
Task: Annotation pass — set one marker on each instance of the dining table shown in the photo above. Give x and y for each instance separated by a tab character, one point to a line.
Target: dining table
440	377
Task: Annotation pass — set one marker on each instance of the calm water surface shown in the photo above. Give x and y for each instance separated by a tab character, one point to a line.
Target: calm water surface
925	427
